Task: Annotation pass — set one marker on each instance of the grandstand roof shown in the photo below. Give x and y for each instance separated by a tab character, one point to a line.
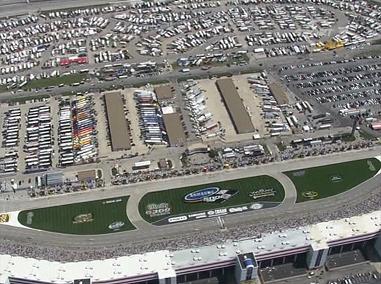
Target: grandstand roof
166	263
98	270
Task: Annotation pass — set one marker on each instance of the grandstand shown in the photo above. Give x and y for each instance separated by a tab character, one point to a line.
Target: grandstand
311	246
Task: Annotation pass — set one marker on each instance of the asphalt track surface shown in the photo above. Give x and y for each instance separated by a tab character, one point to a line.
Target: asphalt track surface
146	232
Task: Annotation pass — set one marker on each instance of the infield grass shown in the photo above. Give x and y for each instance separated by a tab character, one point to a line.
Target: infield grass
61	219
325	181
175	197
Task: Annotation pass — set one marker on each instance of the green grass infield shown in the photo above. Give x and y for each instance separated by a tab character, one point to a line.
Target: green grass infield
262	190
85	218
324	181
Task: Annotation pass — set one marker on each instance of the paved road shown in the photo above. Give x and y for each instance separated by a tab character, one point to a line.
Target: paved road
255	64
147	232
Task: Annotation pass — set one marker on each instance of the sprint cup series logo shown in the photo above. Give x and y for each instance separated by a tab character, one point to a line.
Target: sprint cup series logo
262	193
155	210
210	194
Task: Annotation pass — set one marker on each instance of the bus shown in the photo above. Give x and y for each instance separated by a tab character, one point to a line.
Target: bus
141	165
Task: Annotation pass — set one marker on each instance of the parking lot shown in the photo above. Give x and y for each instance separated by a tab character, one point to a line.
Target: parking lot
119	40
345	88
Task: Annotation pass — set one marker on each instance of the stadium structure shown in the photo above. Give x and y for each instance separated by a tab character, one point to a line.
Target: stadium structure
246	258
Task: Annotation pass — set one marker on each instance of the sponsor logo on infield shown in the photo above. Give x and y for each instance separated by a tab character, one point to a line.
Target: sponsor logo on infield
210	194
156	210
263	192
116	225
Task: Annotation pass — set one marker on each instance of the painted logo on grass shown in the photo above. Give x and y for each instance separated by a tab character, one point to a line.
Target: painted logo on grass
83	218
336	178
371	167
155	210
29	218
116	225
256	206
263	192
310	194
210	194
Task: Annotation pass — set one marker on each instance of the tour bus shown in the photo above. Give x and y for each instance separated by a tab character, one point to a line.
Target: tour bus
44	132
45	138
32	114
64	125
33	110
43	159
44	119
84	121
66	148
65	132
31	164
85	125
65	119
12	127
65	142
44	108
9	141
32	140
86	155
67	160
15	111
45	165
11	154
31	158
33	121
45	147
12	135
10	162
67	154
32	136
10	144
32	128
66	137
67	163
46	151
85	149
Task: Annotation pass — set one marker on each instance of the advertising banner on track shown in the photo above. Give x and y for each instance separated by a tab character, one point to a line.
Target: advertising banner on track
215	213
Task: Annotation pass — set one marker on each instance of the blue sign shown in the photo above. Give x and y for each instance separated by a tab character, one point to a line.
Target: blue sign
199	195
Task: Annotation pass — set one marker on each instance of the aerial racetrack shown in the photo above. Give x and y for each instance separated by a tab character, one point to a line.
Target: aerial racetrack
85	218
177	205
324	181
211	200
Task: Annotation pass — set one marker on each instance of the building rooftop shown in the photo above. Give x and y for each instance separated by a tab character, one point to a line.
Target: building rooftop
238	114
175	130
120	137
164	92
279	95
